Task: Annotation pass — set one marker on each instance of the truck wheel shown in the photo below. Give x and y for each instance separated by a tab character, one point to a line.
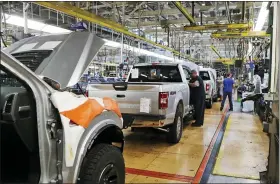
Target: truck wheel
176	129
104	163
209	104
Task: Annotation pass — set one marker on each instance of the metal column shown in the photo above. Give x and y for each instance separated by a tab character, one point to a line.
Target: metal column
25	7
123	17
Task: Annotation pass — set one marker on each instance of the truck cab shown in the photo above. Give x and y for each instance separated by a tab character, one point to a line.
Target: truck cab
155	95
209	78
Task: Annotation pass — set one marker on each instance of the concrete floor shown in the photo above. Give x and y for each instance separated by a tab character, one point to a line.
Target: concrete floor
242	154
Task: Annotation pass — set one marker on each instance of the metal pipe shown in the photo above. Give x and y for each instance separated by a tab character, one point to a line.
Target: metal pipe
243	11
179	47
40	13
201	18
31	10
95	14
57	18
192	8
168	34
123	11
158	21
273	50
228	12
25	7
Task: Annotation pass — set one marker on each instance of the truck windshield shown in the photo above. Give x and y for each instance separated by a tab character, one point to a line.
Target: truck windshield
155	73
204	75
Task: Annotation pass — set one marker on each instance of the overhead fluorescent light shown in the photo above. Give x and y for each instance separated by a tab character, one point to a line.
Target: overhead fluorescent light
137	50
32	24
262	17
39	26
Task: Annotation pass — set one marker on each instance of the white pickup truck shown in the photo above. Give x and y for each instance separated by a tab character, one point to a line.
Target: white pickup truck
209	78
154	95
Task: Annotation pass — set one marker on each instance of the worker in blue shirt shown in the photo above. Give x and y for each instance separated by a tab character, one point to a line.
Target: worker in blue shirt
227	91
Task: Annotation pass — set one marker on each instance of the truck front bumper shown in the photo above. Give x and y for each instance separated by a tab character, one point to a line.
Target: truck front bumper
136	120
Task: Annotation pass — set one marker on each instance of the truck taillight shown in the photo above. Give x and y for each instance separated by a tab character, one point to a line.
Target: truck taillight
207	87
163	100
86	93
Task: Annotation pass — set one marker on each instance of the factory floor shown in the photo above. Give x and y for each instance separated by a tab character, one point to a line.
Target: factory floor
229	148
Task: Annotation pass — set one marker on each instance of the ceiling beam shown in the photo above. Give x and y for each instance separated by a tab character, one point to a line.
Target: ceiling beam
175	11
185	12
181	21
87	16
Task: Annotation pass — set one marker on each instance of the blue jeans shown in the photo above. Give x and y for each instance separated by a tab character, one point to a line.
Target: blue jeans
225	95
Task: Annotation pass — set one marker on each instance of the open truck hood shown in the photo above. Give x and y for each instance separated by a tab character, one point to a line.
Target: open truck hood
61	57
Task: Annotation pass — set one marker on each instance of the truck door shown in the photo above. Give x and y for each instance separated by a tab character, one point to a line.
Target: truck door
186	94
213	83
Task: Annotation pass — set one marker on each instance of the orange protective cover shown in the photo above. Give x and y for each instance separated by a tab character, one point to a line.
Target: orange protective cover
85	113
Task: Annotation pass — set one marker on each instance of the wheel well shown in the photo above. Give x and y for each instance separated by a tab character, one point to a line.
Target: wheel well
110	135
182	104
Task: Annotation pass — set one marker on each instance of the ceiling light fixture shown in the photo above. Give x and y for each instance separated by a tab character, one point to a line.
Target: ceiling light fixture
39	26
262	17
32	24
137	50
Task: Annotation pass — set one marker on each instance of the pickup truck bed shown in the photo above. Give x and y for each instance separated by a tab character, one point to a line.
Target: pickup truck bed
128	96
156	96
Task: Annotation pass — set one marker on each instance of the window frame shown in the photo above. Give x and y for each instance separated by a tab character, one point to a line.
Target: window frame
185	68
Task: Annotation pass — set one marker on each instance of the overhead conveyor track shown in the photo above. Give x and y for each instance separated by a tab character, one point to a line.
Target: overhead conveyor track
218	26
246	34
66	8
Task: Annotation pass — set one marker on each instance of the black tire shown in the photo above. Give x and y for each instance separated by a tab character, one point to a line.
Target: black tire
209	104
103	159
176	129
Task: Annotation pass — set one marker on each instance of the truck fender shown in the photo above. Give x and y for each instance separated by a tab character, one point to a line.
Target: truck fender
98	126
179	97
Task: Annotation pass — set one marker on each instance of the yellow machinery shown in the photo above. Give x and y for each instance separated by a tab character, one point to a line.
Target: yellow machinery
184	11
246	34
218	26
67	8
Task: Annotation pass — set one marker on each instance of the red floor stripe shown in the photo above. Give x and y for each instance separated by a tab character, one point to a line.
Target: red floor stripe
206	157
154	174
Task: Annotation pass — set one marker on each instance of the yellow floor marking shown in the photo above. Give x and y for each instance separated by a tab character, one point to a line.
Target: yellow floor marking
146	179
244	148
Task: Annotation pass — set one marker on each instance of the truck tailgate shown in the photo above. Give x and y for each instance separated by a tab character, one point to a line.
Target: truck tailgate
129	99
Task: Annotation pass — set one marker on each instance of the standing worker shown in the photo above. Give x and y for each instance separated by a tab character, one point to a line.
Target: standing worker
227	91
261	73
198	98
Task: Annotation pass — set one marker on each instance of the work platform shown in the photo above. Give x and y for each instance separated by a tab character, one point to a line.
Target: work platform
235	139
